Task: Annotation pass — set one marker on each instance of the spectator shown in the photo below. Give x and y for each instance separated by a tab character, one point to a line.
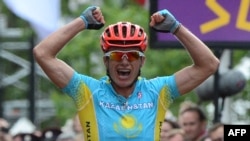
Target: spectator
216	132
38	133
186	104
26	137
4	130
77	128
50	134
166	127
73	125
194	123
175	135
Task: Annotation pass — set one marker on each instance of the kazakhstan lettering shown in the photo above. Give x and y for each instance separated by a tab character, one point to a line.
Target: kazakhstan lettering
88	128
126	107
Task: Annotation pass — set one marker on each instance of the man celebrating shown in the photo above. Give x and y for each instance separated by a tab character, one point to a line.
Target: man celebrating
123	105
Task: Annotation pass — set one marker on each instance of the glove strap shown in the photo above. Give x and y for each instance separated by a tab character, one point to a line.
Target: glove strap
85	21
177	29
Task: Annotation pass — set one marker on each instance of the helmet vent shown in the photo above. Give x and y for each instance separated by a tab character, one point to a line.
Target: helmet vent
132	31
140	33
116	31
124	31
127	42
108	33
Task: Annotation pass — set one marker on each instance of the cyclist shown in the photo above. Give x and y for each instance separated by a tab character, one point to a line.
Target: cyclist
123	105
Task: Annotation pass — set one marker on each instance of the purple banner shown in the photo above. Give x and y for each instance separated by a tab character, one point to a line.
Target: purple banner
211	20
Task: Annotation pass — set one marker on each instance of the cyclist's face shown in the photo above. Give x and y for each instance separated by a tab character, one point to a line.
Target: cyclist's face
123	66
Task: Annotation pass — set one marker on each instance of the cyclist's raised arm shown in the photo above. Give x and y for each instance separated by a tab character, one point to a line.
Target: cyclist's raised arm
46	51
204	61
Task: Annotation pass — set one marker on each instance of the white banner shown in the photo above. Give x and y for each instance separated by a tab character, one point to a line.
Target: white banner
43	15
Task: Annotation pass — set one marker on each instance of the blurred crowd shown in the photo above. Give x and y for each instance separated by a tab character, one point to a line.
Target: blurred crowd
190	125
71	131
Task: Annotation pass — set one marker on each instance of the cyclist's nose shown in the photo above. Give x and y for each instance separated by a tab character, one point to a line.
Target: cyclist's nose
125	58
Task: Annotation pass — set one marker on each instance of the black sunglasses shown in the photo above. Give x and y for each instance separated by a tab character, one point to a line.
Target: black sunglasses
4	129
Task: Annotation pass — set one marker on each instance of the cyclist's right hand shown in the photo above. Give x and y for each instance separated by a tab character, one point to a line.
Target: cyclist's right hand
92	17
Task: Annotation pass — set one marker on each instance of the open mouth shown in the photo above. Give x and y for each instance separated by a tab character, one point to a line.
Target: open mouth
123	72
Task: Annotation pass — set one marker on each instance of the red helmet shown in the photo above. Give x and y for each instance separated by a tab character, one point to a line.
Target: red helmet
123	35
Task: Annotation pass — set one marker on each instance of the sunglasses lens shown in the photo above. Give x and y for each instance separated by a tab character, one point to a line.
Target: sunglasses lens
4	130
132	56
116	56
119	56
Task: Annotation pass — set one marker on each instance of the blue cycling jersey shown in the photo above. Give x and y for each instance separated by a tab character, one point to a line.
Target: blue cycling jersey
108	116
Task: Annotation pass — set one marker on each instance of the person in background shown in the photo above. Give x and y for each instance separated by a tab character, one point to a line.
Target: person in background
175	135
4	130
26	137
216	132
166	127
73	125
77	128
194	123
50	133
186	104
123	105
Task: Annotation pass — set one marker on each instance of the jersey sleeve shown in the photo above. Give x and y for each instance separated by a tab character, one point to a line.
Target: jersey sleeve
72	88
167	82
